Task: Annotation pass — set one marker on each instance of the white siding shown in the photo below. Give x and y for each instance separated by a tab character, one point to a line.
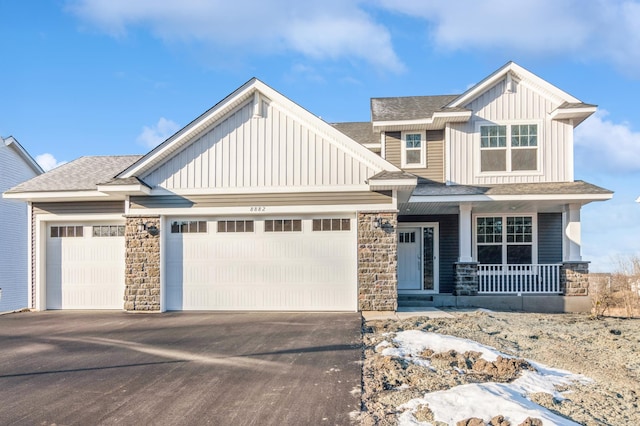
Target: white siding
13	233
525	105
275	150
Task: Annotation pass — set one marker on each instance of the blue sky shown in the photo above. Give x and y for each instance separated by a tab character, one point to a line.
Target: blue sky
103	77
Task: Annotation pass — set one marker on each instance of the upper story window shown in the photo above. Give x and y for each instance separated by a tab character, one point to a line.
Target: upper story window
499	153
414	149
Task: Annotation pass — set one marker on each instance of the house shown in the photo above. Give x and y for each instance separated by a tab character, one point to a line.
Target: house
16	166
464	200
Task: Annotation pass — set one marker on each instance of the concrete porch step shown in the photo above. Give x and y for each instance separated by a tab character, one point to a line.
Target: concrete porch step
415	301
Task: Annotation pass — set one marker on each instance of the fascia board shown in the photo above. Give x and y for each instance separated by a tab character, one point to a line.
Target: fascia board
125	189
564	113
492	79
13	143
259	190
488	198
59	196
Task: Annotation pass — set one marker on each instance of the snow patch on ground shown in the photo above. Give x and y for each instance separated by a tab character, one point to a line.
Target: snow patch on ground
482	400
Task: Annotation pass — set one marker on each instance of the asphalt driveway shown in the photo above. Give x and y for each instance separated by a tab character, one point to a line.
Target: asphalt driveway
179	368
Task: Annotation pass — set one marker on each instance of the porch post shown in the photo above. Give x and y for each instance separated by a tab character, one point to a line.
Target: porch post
572	243
465	233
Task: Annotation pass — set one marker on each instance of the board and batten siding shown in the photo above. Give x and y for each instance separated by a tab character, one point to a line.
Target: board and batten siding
550	237
275	199
14	238
273	150
526	105
435	154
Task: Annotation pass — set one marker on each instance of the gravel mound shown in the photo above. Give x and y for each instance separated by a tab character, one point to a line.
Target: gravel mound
606	350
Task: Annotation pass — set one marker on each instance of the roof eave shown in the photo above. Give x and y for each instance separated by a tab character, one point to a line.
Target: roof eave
391	184
135	189
58	196
11	142
437	121
576	198
578	115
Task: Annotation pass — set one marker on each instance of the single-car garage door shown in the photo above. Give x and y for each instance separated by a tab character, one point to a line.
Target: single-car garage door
85	266
262	264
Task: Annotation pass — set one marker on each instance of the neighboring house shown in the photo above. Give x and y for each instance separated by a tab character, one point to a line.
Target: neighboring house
465	200
16	166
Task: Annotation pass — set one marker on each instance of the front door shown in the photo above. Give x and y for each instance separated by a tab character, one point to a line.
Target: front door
418	258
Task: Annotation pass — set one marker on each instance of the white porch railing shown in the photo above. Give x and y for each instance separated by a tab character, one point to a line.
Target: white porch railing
519	278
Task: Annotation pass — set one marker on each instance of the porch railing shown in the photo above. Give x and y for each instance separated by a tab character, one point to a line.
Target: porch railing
519	278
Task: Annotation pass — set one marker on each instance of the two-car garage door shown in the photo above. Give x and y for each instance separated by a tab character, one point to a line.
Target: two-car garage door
264	264
297	264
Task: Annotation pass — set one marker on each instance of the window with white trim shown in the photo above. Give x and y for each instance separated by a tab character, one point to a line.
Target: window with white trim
331	225
69	231
283	225
108	231
235	226
504	239
414	148
188	226
516	153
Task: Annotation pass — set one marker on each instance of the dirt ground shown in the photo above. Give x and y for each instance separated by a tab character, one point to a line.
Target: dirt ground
606	350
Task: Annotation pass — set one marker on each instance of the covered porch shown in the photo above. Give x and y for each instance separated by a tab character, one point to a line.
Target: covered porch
510	239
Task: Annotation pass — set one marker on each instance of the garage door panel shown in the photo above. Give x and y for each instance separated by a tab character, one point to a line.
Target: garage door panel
262	270
85	272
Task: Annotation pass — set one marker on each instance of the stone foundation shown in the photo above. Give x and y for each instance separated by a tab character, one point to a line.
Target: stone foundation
142	266
377	262
574	278
466	279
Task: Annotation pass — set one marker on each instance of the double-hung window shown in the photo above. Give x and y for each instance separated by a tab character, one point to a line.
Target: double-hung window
414	149
508	148
504	239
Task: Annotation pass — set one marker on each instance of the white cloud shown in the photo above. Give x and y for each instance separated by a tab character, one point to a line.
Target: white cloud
601	29
327	29
158	133
605	146
48	161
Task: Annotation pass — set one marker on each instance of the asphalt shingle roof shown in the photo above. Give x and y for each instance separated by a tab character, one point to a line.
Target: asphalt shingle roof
361	132
410	107
568	188
79	175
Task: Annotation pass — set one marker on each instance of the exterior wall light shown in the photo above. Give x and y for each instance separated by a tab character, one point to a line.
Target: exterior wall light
151	229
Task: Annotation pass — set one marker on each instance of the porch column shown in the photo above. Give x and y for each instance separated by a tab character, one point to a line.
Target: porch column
465	233
571	242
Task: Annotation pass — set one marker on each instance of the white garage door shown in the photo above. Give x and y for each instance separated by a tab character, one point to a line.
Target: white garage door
262	264
85	266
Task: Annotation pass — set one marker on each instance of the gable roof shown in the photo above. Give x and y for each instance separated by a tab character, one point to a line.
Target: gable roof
82	174
12	143
259	92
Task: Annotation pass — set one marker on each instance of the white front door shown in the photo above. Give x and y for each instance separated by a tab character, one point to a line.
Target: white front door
409	259
418	258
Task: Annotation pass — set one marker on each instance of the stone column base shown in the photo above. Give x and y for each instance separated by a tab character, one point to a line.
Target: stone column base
574	278
466	279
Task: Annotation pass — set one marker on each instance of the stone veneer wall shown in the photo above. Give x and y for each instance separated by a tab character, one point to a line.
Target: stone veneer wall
142	266
466	279
377	262
574	278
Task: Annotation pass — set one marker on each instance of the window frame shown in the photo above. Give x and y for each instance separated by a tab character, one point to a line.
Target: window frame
509	148
504	243
423	150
